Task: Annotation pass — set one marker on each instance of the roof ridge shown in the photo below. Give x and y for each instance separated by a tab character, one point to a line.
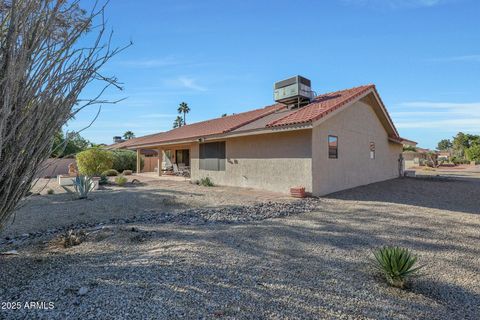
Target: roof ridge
269	112
313	102
225	117
348	89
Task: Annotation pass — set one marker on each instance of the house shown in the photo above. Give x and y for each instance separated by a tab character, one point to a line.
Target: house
327	143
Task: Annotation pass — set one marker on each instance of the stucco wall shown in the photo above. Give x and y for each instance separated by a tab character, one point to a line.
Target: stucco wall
356	126
272	162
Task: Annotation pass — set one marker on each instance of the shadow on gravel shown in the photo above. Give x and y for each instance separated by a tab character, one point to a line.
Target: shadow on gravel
449	295
445	194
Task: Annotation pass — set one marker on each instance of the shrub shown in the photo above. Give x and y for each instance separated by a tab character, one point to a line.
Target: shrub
396	264
103	180
206	182
125	160
93	162
121	180
72	238
127	172
50	191
110	173
473	153
457	161
82	186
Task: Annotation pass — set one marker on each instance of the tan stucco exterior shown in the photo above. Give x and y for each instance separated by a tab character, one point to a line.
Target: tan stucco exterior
275	162
356	127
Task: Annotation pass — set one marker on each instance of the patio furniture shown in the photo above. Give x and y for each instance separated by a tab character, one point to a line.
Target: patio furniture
184	172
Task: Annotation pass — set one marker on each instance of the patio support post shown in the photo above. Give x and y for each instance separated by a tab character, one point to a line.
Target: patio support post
139	157
159	161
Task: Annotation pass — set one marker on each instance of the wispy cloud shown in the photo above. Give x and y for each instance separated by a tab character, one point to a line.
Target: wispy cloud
186	83
152	62
465	58
157	115
444	116
396	4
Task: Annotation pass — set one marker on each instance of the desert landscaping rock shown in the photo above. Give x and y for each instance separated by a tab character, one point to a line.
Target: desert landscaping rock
289	260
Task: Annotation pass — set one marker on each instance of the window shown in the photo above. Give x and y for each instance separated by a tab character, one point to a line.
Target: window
333	147
212	156
372	150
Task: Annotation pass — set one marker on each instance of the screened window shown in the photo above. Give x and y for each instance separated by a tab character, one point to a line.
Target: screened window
333	147
212	156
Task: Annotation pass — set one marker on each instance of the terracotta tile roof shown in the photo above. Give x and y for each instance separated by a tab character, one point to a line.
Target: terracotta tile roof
206	128
260	118
321	106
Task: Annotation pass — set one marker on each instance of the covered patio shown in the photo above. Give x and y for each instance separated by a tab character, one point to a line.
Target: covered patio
171	160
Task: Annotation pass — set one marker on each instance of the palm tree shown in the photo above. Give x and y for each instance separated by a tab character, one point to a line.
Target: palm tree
178	122
128	135
183	108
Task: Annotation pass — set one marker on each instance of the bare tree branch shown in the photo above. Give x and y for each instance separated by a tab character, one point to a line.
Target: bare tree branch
43	70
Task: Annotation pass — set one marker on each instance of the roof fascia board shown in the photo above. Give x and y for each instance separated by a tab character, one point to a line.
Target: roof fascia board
227	136
340	109
385	112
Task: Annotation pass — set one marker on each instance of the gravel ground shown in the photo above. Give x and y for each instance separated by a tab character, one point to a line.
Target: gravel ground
208	263
46	212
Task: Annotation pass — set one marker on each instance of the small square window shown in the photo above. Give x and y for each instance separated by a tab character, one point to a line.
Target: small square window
333	147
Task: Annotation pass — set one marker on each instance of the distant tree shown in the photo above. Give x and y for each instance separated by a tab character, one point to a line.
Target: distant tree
183	108
224	115
409	148
445	144
178	122
463	141
69	145
473	153
128	135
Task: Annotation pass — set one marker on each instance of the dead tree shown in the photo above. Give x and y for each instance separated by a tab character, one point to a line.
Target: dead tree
43	69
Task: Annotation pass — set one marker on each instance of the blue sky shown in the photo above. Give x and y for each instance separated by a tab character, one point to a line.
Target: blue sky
224	56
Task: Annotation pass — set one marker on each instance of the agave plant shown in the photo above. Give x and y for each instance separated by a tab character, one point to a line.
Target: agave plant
396	264
83	185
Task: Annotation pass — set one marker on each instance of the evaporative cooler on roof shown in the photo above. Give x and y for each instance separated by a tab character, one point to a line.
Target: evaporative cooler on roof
294	92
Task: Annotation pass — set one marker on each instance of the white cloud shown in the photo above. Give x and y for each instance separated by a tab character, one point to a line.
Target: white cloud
445	116
454	125
465	58
186	83
152	63
157	115
395	4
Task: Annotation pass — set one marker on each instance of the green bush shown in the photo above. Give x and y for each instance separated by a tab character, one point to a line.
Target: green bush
127	172
473	153
103	180
458	161
125	160
110	173
50	191
396	264
93	162
206	182
121	180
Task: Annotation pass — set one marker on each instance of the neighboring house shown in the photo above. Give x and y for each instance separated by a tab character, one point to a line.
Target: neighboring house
336	141
125	143
418	156
444	154
409	143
